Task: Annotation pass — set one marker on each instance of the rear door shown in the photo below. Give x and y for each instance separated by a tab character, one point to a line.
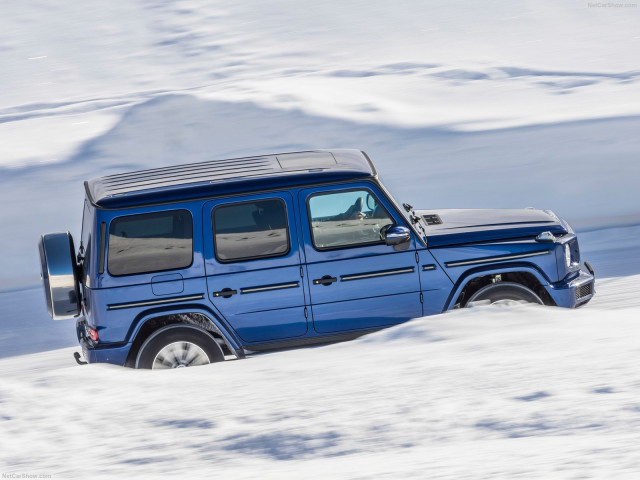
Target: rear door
355	280
253	266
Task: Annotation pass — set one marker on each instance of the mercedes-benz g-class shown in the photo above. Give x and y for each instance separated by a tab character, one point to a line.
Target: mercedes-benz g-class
191	264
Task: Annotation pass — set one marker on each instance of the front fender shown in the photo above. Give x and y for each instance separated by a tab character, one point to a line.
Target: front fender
470	274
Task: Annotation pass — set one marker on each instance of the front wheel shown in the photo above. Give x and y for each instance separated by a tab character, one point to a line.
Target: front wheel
178	346
503	293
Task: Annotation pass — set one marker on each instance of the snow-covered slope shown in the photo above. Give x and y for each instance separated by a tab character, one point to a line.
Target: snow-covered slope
478	104
471	65
422	87
69	68
520	392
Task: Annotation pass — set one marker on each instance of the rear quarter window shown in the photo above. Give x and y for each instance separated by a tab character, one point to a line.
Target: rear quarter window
150	242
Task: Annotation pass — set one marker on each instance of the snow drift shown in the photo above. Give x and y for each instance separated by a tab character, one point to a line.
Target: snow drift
481	393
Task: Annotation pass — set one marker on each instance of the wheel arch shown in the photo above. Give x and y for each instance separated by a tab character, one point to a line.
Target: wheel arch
167	328
506	288
473	280
149	322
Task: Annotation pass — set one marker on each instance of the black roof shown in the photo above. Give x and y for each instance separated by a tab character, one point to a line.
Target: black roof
216	177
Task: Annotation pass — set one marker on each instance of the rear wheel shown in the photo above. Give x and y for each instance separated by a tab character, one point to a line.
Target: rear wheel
178	346
504	293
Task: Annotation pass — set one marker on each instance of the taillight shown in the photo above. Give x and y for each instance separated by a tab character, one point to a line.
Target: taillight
92	333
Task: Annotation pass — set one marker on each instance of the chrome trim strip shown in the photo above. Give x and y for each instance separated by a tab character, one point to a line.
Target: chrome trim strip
267	288
428	267
495	259
146	303
381	273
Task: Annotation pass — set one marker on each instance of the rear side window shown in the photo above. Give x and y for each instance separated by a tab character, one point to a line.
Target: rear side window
150	242
250	230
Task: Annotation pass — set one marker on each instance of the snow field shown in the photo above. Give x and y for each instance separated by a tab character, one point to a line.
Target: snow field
503	104
521	391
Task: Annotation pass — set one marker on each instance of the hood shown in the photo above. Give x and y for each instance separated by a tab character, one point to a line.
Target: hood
455	227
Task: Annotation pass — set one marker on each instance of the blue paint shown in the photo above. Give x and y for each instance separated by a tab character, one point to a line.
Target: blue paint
460	227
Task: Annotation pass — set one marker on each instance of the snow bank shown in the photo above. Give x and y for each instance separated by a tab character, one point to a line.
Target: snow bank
527	392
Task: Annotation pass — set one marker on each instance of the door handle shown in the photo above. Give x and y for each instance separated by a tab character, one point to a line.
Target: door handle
225	293
326	280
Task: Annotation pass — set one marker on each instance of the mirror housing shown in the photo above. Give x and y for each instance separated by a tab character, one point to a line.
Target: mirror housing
397	236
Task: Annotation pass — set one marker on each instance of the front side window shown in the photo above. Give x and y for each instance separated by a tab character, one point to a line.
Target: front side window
250	230
150	242
346	219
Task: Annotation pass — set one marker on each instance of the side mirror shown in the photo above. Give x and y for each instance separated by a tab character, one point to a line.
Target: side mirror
397	236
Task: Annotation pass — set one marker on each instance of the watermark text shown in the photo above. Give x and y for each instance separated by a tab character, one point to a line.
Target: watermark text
611	5
26	475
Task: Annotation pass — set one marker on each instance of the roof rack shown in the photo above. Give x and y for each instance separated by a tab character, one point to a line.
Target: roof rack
217	177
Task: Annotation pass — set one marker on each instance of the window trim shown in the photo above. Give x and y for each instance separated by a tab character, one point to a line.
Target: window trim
258	257
108	234
85	233
353	245
102	248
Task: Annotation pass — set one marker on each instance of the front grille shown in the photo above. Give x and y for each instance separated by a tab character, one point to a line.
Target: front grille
584	290
432	219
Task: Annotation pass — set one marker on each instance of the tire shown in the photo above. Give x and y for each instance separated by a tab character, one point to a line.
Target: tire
503	292
59	274
177	346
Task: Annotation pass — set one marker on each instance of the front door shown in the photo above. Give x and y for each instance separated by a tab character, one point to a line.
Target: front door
355	280
253	266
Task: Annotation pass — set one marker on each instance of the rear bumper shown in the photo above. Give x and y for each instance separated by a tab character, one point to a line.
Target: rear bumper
575	292
100	353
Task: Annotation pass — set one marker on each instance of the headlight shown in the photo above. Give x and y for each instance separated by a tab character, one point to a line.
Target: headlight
572	253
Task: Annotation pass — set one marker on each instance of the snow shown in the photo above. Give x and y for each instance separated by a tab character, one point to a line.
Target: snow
504	104
530	392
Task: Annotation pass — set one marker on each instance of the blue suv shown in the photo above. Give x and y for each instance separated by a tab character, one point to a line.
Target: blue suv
192	264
